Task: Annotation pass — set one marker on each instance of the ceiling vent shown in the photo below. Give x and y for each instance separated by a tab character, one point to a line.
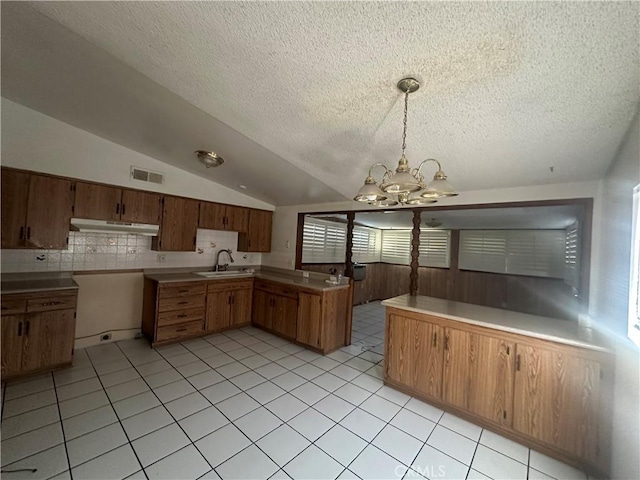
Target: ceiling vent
146	175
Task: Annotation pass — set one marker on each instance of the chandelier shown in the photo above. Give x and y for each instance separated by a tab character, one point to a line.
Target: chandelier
405	186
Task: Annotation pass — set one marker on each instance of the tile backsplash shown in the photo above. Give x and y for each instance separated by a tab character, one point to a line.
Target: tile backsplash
108	251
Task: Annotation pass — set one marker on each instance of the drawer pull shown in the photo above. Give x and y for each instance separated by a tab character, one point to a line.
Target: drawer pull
182	315
181	329
50	304
183	303
183	291
5	308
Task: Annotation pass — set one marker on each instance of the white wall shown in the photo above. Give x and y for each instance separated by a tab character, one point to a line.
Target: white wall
34	141
610	292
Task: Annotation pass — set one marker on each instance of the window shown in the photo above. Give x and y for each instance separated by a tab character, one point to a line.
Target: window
323	241
396	246
367	243
538	253
433	249
634	288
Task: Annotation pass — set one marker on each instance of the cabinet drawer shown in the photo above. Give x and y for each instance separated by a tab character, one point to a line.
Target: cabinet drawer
285	291
45	304
225	286
11	306
181	316
180	303
264	285
174	332
183	289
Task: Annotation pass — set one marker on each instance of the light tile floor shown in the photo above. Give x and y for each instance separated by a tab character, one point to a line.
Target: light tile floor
245	404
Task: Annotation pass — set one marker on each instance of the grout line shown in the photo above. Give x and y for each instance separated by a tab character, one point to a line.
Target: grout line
64	437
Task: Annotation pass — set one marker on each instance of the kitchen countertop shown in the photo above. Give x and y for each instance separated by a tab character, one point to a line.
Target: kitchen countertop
552	329
290	279
41	282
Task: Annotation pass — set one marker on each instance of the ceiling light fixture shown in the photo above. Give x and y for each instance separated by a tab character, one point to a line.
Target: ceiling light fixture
433	223
405	186
210	159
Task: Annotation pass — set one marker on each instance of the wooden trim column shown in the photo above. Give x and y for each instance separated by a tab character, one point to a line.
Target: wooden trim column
415	253
299	236
348	261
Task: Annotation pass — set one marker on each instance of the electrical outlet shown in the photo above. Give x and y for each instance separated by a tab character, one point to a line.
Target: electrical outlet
287	244
305	274
161	257
105	337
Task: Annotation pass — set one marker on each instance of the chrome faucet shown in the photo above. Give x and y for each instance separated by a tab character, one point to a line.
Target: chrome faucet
222	268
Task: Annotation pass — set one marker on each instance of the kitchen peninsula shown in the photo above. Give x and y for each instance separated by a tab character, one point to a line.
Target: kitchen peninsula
305	309
543	382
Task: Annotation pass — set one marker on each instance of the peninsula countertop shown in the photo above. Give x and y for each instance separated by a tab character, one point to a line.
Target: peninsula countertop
36	282
562	331
314	281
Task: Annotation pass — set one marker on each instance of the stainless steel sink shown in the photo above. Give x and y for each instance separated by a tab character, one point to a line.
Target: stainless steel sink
229	273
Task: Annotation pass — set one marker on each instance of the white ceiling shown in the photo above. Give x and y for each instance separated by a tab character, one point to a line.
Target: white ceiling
509	89
514	218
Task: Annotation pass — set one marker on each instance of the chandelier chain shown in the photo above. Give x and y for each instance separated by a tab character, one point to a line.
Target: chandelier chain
404	130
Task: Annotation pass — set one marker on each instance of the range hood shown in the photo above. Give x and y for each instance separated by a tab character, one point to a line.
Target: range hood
102	226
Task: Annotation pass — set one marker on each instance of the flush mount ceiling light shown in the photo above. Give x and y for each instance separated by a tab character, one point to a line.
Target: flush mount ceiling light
405	186
210	159
433	223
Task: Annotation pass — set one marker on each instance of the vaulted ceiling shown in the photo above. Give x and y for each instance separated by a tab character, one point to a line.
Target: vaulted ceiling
300	97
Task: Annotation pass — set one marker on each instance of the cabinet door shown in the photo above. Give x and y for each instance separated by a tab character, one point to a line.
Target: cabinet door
285	314
262	309
48	339
478	374
97	202
415	354
212	216
237	219
48	212
218	311
258	236
241	307
12	336
140	207
309	324
179	225
15	191
557	398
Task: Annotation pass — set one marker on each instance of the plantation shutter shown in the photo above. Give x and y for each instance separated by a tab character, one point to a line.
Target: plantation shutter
396	246
434	248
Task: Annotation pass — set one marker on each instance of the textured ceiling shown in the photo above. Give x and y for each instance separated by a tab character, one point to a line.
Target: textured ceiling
516	218
509	89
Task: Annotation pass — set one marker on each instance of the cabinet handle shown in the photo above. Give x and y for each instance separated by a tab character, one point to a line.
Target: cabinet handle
435	339
182	315
26	327
446	342
28	233
229	300
117	208
20	329
123	205
517	362
182	303
183	291
233	299
181	330
21	233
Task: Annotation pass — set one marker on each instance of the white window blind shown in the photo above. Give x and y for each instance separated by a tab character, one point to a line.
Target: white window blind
323	241
367	244
538	253
434	248
572	256
396	246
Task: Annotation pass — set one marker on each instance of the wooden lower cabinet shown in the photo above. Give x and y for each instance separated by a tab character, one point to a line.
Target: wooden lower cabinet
285	316
228	305
309	328
38	332
550	396
275	308
557	397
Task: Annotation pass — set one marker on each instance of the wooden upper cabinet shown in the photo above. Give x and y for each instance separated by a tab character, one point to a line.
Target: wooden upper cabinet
557	395
179	225
48	212
216	216
100	202
489	361
97	202
140	207
258	236
15	192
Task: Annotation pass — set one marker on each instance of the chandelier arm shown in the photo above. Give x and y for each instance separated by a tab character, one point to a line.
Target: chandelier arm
428	160
386	170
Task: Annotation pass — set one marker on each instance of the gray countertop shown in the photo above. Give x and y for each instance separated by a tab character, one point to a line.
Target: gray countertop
293	278
37	282
561	331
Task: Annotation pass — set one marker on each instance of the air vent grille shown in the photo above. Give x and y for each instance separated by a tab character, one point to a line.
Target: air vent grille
146	175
